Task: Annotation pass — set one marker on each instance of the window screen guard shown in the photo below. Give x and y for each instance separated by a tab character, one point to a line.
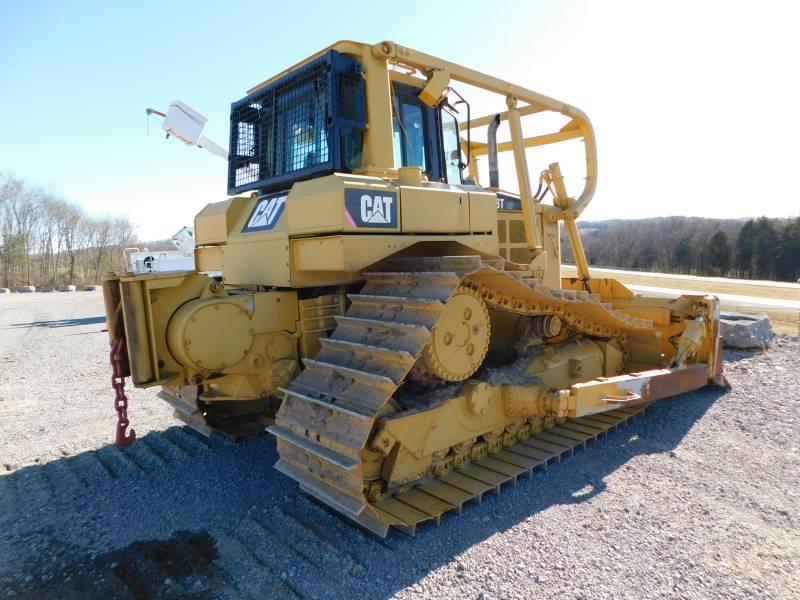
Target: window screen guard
308	123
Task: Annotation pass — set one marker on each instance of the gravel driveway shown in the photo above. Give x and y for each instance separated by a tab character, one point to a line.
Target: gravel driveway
698	498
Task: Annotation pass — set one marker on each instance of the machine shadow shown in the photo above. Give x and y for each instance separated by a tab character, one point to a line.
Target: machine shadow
81	509
56	323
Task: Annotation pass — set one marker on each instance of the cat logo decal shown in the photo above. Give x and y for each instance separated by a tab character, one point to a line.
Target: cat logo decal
364	208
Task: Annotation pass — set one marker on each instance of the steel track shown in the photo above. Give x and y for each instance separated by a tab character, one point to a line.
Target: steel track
332	408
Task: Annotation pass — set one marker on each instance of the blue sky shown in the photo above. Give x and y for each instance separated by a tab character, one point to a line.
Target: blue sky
687	98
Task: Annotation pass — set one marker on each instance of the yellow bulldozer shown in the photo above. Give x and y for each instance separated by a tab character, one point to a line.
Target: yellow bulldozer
400	326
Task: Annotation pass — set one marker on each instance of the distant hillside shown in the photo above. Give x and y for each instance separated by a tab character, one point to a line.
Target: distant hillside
158	245
747	248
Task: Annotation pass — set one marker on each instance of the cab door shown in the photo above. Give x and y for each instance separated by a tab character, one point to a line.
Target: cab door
432	207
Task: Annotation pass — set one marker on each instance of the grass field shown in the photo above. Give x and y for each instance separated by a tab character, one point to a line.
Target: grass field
783	321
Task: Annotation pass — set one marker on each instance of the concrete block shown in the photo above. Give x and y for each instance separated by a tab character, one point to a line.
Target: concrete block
740	331
67	288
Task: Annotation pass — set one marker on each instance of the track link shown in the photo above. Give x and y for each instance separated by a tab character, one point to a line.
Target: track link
430	501
331	409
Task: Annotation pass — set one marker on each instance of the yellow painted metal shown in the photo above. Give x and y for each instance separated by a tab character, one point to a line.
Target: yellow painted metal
483	408
372	339
377	153
530	109
564	202
533	235
240	268
214	223
313	207
458	484
514	247
150	361
186	329
472	167
376	61
193	338
112	303
460	338
140	350
435	89
434	210
316	206
483	214
425	63
481	149
340	259
352	468
209	258
318	320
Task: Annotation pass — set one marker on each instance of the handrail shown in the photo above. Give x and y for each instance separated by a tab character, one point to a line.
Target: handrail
580	126
537	102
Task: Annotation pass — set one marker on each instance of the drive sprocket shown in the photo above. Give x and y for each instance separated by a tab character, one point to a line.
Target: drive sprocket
459	339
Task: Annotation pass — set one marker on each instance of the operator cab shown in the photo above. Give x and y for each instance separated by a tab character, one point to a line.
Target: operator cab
425	137
310	122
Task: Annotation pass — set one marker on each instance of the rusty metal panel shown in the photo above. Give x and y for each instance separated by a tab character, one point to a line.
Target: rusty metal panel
675	382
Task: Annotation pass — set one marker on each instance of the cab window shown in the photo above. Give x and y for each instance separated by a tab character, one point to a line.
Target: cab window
451	145
409	135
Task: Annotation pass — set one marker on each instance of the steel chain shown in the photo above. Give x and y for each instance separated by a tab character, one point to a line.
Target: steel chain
123	438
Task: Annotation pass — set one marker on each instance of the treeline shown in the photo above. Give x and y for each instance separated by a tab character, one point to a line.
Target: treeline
748	249
47	241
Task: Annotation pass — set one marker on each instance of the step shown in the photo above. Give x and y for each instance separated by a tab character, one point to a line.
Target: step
372	332
327	381
357	374
381	361
340	460
395	309
332	424
428	285
331	405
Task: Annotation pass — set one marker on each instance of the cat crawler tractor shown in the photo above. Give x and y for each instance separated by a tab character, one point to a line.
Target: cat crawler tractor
396	320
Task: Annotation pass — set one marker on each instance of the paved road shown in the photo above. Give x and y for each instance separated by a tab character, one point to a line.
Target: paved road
727	280
727	299
772	295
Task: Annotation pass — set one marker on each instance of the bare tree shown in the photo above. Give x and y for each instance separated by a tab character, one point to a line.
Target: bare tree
69	222
100	236
47	240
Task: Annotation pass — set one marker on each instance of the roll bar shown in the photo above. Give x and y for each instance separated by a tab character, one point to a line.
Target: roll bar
377	150
578	126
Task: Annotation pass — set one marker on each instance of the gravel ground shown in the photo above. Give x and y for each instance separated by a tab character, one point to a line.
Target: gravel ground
55	379
699	498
